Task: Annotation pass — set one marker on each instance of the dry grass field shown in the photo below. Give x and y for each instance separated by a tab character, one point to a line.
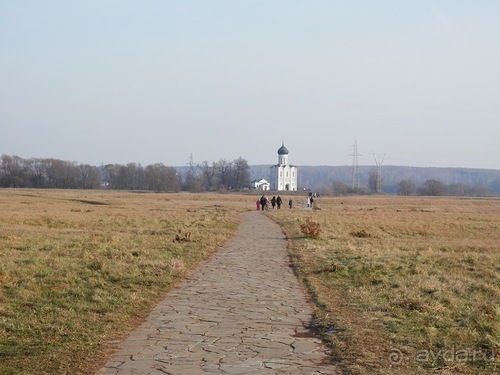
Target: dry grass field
79	268
402	285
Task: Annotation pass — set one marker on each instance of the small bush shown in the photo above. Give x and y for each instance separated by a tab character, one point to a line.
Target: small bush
310	228
361	234
186	237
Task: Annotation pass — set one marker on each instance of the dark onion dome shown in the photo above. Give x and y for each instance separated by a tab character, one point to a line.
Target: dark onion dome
283	150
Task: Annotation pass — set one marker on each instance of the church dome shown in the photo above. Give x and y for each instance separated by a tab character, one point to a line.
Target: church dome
283	150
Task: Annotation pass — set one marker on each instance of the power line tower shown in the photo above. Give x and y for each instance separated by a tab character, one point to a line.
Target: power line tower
379	173
355	175
355	171
191	165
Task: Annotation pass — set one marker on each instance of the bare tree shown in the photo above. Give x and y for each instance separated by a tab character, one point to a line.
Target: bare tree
90	177
62	174
13	172
158	178
406	187
37	170
373	181
241	175
224	171
208	176
192	182
433	188
130	176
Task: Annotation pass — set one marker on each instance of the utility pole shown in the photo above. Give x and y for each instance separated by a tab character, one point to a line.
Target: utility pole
355	171
191	164
379	173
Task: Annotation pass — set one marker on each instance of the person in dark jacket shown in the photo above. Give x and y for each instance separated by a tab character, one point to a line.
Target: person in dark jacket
263	202
279	202
273	202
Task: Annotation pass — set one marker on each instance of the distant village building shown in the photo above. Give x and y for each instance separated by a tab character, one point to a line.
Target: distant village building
283	175
260	184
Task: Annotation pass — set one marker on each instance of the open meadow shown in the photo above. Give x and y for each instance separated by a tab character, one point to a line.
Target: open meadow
79	269
402	285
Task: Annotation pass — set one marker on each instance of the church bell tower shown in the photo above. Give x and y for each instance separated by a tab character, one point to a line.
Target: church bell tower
283	175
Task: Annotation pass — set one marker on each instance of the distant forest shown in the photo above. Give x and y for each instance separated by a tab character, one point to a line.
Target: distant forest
225	175
341	180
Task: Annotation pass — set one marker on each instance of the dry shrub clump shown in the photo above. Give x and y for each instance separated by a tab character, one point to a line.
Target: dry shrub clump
79	268
404	285
310	228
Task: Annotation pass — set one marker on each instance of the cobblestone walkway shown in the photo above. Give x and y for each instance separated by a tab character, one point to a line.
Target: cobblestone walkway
241	312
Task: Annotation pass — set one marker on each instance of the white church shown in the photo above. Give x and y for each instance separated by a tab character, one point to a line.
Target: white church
283	176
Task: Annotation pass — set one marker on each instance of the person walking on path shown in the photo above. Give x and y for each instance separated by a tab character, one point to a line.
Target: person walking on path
279	201
263	202
242	311
273	202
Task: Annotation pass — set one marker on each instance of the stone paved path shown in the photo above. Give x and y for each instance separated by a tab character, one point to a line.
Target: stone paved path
241	312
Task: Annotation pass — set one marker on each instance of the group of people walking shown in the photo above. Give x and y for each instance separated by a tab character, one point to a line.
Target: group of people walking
263	202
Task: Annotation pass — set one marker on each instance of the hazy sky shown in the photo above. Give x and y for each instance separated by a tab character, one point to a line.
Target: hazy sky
155	81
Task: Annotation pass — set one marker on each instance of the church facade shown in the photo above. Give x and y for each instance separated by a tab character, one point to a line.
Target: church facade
283	176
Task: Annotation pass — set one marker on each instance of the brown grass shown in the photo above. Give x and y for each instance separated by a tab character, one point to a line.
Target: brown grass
404	285
80	268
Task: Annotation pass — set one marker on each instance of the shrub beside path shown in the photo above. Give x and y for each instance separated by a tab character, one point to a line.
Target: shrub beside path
242	311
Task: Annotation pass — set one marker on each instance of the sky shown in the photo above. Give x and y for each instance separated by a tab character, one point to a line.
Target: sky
411	82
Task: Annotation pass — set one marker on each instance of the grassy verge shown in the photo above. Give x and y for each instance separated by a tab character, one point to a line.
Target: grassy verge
79	269
404	285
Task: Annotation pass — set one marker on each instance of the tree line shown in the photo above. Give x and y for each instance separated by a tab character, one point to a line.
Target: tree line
16	172
223	175
416	180
430	187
